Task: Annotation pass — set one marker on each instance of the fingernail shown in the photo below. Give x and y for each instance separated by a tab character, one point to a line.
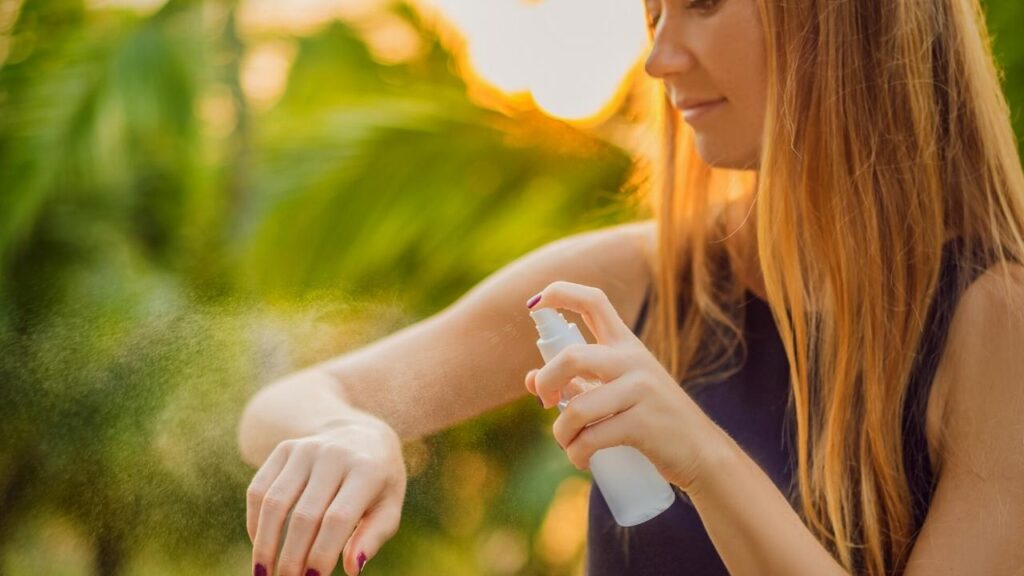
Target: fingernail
259	570
533	301
362	561
312	572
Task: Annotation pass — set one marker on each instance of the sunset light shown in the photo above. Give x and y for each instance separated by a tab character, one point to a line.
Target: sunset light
569	56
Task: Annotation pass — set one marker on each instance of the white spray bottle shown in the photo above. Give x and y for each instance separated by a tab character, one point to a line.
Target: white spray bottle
632	487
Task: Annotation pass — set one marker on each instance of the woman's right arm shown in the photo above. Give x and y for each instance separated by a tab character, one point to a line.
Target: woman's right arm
465	360
458	363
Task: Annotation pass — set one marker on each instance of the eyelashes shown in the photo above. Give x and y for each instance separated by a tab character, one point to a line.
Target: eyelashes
700	6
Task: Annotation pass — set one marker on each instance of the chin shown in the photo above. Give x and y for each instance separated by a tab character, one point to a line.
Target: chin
718	155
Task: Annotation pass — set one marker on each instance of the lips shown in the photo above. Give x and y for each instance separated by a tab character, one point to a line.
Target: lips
691	103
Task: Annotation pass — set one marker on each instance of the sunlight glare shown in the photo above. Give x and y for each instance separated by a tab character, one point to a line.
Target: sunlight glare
570	56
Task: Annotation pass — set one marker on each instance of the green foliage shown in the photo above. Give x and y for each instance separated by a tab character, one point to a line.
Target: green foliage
167	247
158	268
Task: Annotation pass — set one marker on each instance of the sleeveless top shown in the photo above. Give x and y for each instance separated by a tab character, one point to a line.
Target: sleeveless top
752	406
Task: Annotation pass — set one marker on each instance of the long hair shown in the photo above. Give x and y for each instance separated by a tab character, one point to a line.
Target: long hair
886	134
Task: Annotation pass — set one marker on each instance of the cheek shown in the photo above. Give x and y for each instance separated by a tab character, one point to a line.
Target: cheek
740	72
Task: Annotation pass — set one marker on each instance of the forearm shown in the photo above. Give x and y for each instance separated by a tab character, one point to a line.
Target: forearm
750	522
298	405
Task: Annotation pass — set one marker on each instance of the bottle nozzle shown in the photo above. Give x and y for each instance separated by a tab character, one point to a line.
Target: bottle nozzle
549	322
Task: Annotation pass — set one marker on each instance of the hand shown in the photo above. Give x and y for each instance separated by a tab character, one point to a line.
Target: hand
349	474
640	404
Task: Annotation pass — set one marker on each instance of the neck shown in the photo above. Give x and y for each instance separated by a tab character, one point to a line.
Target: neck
741	216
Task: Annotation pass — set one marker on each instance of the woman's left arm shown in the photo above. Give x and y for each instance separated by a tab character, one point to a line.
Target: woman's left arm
975	524
753	526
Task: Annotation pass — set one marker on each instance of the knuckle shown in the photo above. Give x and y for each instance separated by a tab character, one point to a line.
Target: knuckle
275	504
306	447
557	434
540	377
304	516
335	450
341	516
638	385
364	463
596	295
378	476
572	409
574	355
559	285
333	453
254	494
580	445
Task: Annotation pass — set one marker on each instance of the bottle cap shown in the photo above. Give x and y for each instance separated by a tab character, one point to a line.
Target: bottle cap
549	323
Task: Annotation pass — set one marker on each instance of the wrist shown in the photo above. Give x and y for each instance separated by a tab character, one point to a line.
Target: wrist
349	419
719	458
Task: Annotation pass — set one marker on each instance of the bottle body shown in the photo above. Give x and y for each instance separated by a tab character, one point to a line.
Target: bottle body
631	485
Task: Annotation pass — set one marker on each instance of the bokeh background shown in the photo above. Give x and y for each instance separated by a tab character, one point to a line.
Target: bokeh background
200	196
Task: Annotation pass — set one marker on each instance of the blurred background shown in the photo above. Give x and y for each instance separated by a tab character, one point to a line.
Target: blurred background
200	196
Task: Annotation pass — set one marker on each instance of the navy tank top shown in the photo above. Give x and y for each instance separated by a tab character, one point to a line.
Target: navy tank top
752	406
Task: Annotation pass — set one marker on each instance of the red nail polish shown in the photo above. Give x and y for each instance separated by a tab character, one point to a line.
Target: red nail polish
312	572
533	301
362	561
259	570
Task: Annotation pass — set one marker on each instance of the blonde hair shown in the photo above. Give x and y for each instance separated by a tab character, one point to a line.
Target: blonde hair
886	134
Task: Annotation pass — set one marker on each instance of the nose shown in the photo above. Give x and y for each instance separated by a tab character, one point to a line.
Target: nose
668	55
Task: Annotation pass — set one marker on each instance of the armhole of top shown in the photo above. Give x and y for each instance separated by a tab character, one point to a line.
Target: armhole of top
641	318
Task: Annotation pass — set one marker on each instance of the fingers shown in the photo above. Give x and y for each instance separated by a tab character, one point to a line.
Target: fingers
260	484
531	385
376	528
590	361
362	487
614	431
590	410
589	302
279	500
328	473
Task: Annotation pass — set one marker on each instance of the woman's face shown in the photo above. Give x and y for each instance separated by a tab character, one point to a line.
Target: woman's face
712	51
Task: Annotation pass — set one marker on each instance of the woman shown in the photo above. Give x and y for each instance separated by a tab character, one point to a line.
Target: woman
830	367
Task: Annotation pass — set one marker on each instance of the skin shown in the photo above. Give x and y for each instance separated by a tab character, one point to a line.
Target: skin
708	50
327	440
976	409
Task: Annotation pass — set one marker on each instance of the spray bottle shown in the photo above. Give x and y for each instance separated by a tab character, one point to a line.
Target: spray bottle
632	487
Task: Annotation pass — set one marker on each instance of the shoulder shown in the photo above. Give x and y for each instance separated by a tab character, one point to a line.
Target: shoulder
988	321
974	521
981	376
